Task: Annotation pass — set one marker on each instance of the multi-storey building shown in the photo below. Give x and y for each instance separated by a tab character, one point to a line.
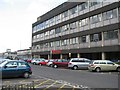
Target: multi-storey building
79	29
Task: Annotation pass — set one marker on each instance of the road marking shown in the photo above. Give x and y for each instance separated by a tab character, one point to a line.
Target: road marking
50	85
22	81
42	83
61	87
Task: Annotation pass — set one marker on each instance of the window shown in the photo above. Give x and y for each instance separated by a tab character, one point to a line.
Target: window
83	39
102	62
57	30
83	6
73	10
21	64
11	64
83	22
65	27
65	14
51	44
94	2
47	33
111	35
52	32
74	40
95	37
110	14
95	18
57	43
73	25
111	63
64	42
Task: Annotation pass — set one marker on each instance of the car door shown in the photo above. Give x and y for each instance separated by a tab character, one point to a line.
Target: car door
64	63
10	69
111	66
22	67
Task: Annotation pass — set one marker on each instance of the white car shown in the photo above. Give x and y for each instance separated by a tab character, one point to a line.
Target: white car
50	62
36	61
79	63
103	65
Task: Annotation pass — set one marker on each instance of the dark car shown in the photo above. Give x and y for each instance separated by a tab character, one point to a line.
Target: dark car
15	68
60	63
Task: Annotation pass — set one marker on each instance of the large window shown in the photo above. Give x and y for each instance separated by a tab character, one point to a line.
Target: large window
57	43
94	2
83	6
65	14
111	35
73	10
84	39
110	14
95	37
52	32
57	30
65	28
95	18
83	22
73	25
74	40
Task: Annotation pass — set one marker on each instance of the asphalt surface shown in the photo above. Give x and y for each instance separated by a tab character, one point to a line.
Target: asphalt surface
60	78
78	77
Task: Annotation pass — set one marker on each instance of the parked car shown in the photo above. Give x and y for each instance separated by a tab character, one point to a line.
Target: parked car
42	62
29	60
15	68
60	63
103	65
79	63
35	61
50	62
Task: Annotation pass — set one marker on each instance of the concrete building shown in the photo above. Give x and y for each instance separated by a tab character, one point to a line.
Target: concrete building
25	53
78	29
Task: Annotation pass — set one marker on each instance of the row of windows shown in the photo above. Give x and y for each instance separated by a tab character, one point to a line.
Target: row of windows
82	39
90	20
65	14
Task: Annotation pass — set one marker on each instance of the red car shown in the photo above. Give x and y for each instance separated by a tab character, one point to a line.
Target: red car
29	60
42	62
60	63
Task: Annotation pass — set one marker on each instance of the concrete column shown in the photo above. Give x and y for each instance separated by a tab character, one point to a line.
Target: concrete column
119	36
102	39
69	55
61	56
78	55
48	56
103	56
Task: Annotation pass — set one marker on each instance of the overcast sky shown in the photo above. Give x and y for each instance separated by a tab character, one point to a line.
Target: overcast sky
16	18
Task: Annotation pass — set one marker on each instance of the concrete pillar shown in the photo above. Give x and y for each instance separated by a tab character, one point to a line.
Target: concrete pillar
78	55
69	55
119	36
102	39
48	56
103	56
61	57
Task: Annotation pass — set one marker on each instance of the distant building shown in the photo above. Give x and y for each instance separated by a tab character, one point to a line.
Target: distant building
25	53
88	29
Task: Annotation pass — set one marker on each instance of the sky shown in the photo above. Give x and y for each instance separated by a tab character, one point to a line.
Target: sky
16	19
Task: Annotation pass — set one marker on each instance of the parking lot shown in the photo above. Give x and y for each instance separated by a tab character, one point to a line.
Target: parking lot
40	82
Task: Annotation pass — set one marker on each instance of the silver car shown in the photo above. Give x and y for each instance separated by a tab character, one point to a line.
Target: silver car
103	65
79	63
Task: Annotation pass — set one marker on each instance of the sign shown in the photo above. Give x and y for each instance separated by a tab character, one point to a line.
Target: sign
56	51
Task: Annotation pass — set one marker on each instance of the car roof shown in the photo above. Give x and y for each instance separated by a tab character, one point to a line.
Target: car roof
101	60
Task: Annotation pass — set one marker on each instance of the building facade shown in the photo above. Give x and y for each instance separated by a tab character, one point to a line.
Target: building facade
78	29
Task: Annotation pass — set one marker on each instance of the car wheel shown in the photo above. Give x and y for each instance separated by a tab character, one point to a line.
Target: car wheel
97	69
50	65
26	75
118	69
33	63
75	67
40	64
55	66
